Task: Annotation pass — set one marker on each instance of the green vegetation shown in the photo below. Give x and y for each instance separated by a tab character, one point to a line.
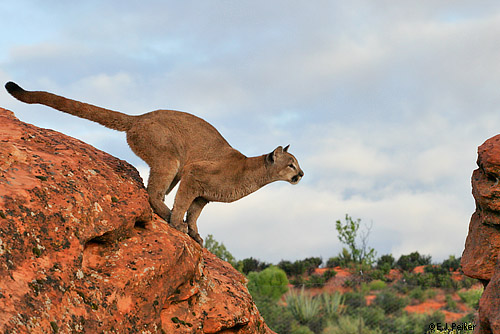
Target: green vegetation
271	282
471	297
409	262
219	250
376	300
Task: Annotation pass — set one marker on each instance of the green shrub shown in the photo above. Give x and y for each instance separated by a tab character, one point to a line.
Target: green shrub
390	302
451	304
471	297
417	294
277	317
250	264
432	277
372	315
377	274
315	280
452	263
329	274
408	324
304	307
300	329
409	262
350	325
271	282
431	293
299	267
386	263
354	300
377	285
332	305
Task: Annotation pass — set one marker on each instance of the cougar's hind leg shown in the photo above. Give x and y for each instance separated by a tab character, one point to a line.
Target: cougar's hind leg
149	140
193	213
183	199
160	183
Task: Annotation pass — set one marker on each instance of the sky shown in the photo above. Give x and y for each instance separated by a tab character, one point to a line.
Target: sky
383	103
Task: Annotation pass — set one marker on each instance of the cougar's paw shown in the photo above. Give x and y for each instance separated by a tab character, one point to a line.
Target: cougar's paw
196	237
182	227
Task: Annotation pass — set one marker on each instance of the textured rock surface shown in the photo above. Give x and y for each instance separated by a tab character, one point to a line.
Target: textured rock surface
480	257
81	251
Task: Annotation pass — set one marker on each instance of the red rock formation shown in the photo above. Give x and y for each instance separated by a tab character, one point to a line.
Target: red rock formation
480	257
81	251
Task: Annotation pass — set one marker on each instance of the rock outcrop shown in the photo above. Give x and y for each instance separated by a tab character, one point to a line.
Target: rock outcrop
480	257
82	252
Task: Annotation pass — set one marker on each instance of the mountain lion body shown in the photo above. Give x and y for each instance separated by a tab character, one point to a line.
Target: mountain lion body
179	146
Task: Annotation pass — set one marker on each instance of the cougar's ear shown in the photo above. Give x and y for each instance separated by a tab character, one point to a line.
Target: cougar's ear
286	148
271	157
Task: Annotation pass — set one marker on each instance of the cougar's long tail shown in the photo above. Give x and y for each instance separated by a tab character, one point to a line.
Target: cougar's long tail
109	118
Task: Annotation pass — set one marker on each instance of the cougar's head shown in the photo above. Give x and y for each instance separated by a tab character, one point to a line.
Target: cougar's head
284	166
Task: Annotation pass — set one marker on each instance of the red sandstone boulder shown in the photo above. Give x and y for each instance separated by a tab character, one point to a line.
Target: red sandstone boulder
480	257
81	251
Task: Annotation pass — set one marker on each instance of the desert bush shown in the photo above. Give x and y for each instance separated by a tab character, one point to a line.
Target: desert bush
390	302
300	267
332	305
408	324
386	263
300	329
471	297
451	304
433	276
372	315
329	274
277	317
418	294
250	264
314	281
451	264
377	285
304	307
377	274
271	282
353	300
409	262
350	325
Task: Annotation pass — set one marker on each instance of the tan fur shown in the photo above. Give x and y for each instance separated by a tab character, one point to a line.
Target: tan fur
181	147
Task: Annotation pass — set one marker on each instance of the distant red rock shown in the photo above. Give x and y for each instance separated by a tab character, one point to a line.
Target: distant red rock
480	257
81	251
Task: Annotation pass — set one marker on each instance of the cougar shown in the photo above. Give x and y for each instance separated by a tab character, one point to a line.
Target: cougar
179	146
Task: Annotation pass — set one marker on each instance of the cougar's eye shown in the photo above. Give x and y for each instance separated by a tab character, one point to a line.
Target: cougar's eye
292	166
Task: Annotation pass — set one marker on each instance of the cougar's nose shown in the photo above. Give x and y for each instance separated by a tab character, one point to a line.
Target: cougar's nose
301	173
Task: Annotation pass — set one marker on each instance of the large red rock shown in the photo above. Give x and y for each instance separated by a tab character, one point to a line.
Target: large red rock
81	251
480	257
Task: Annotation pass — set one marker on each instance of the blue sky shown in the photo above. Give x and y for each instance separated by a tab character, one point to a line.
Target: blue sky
383	103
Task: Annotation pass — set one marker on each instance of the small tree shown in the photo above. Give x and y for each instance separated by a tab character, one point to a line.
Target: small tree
358	247
219	250
385	263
